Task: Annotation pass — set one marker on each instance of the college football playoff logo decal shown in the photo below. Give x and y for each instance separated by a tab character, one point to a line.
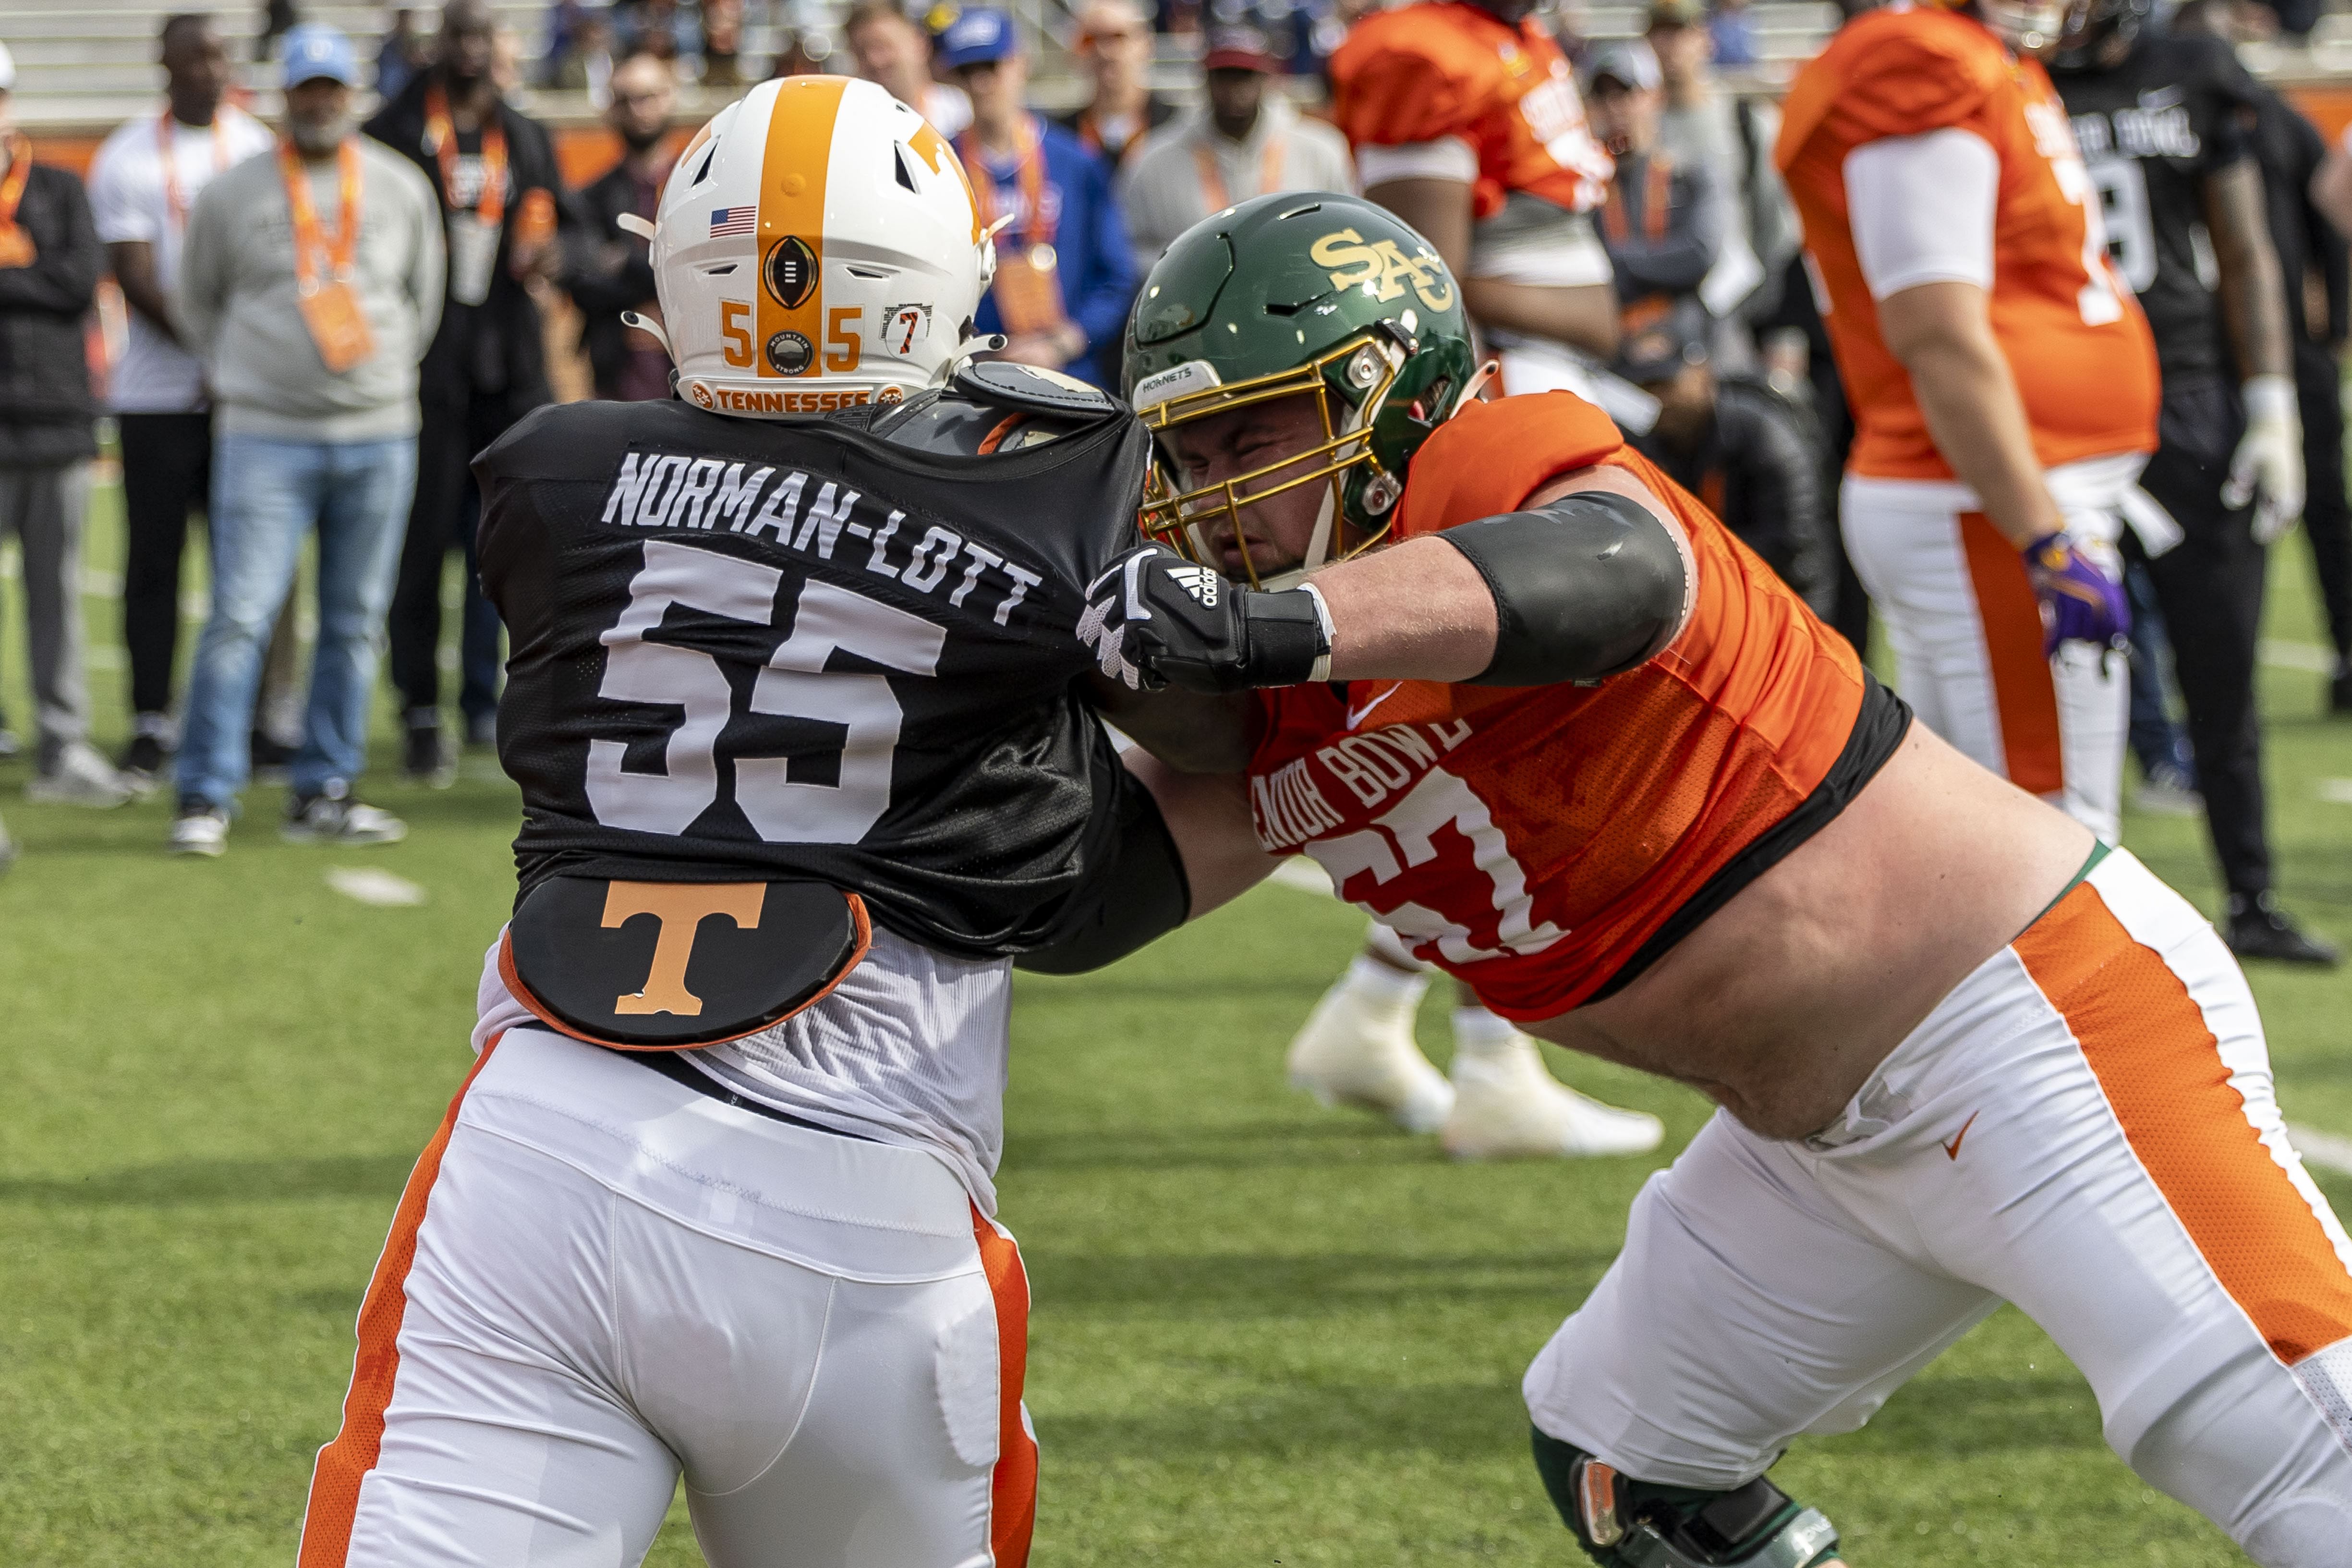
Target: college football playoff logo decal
791	271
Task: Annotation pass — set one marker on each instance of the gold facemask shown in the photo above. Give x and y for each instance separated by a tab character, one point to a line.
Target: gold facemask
1187	521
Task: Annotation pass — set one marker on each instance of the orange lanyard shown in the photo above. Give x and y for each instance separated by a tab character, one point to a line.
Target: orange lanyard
1657	203
309	245
442	133
1212	179
1039	229
20	169
166	153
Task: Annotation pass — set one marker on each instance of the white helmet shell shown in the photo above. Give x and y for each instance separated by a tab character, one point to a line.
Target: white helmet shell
817	247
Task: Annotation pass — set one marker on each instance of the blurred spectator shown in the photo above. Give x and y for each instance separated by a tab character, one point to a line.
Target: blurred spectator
1699	131
506	62
1661	223
142	184
1064	272
50	259
1115	48
1731	34
1740	447
310	319
586	65
494	170
278	18
563	19
405	52
666	27
1246	142
808	52
722	44
611	270
2311	270
889	47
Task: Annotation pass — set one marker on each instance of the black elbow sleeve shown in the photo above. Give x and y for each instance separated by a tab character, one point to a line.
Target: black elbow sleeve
1591	585
1134	891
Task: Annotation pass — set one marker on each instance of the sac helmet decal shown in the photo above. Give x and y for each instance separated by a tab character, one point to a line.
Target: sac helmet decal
790	271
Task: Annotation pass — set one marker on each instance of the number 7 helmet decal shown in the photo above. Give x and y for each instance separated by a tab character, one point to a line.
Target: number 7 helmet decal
816	247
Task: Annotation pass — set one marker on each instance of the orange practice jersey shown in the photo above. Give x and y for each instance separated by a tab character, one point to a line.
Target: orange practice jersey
1530	840
2074	335
1442	69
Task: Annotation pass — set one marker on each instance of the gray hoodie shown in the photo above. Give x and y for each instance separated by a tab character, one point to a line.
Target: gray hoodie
238	310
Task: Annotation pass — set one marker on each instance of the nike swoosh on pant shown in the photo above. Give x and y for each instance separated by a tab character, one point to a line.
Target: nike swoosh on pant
1952	1148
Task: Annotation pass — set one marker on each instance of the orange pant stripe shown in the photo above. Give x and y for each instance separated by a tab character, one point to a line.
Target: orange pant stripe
2023	692
2162	1071
345	1462
1013	1491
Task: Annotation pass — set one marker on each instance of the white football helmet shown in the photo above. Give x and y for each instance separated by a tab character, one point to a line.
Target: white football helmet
817	246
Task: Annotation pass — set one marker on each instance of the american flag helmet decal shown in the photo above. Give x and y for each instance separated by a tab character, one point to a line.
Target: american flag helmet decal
726	221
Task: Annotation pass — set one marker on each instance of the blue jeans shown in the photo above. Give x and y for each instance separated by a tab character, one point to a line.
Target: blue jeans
267	494
2157	738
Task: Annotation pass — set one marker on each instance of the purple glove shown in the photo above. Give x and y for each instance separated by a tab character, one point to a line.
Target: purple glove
2079	602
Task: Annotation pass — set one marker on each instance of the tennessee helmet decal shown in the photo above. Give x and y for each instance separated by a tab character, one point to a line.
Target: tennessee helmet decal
822	236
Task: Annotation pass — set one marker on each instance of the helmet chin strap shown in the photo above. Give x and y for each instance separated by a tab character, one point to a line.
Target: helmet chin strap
651	328
1318	544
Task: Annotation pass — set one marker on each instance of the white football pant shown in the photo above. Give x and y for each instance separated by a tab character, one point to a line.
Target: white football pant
1966	630
2085	1127
598	1278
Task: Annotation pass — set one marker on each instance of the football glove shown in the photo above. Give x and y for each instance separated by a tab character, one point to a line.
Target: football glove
1154	619
2080	603
2267	466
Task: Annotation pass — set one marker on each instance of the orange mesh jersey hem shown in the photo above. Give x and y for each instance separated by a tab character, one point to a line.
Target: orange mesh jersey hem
1553	830
2161	1069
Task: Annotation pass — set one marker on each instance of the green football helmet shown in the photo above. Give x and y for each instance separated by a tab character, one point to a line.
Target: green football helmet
1299	292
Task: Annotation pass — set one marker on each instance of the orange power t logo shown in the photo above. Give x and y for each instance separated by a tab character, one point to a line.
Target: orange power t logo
680	907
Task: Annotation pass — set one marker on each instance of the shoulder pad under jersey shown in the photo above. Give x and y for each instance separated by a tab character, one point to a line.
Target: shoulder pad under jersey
1027	389
952	425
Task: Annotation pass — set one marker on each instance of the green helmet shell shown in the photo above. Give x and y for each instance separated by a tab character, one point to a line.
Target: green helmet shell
1281	281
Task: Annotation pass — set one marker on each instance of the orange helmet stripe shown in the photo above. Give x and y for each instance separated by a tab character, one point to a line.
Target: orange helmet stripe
791	207
935	152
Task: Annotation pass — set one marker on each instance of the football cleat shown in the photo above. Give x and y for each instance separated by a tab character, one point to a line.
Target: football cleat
199	830
1507	1107
1359	1050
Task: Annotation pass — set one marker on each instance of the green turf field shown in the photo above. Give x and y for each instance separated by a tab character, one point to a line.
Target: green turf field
1263	1334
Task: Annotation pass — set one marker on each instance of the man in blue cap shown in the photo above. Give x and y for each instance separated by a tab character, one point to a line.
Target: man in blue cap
1064	273
310	318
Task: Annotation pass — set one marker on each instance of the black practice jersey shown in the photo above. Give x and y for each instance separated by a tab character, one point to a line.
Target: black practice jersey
2151	130
743	650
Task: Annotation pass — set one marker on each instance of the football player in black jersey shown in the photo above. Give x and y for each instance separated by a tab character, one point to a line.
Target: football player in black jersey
2166	128
796	705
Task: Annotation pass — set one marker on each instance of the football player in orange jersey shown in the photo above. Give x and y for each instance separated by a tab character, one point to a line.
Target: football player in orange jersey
2003	380
1466	123
1580	748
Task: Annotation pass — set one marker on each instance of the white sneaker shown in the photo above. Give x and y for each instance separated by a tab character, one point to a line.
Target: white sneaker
1356	1050
79	776
201	831
1507	1107
337	819
2168	792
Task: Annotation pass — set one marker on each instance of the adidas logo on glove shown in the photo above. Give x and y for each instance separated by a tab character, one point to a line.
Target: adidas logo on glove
1197	581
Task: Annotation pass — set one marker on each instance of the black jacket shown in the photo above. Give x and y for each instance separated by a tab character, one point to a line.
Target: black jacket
48	408
1759	469
600	287
491	350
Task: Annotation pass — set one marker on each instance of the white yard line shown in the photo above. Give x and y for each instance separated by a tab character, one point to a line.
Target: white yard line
2310	656
370	884
2324	1150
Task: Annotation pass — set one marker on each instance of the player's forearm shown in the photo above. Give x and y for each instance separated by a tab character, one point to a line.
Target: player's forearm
2253	294
1943	338
1417	611
1208	818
